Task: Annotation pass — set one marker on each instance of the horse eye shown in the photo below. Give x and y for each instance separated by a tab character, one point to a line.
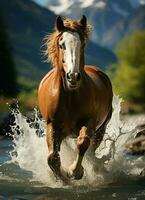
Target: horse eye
62	46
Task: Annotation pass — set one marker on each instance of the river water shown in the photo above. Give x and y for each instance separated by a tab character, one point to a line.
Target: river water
24	173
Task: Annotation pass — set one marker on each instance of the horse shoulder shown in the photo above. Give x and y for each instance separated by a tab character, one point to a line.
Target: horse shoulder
48	94
45	78
101	91
96	73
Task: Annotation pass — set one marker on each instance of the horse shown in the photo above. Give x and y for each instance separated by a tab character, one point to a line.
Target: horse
74	99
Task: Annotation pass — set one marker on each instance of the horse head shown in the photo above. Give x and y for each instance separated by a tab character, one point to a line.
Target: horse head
71	51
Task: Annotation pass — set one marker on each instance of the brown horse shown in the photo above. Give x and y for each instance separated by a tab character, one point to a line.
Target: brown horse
74	99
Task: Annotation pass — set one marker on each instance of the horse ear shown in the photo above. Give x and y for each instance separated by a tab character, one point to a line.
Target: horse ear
83	21
59	24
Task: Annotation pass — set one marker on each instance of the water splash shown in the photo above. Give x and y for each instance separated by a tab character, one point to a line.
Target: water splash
30	151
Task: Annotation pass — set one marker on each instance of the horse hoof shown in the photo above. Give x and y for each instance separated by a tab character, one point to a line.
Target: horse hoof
77	175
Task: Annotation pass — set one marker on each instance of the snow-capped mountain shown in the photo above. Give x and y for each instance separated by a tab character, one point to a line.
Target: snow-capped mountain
137	3
102	14
110	18
67	6
27	24
75	8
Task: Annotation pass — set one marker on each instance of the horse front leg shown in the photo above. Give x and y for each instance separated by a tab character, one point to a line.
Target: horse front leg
83	141
54	141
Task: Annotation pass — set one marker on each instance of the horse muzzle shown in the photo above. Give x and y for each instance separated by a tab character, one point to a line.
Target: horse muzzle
73	80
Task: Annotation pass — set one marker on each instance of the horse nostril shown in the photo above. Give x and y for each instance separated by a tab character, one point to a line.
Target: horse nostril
68	76
73	76
78	76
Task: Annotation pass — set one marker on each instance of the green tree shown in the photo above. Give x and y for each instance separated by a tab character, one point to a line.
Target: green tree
8	83
128	75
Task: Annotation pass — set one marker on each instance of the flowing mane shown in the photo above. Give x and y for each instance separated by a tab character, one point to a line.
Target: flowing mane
51	40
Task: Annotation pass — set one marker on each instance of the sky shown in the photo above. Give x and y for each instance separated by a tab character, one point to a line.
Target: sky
41	2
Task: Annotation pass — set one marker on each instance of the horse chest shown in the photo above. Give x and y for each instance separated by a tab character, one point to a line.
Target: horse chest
74	113
75	106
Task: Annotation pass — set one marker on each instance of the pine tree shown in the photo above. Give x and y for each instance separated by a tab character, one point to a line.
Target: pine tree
8	82
128	75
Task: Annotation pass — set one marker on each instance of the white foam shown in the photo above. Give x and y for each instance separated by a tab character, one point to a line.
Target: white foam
30	152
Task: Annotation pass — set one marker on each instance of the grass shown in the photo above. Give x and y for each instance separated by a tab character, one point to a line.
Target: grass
27	97
5	102
25	100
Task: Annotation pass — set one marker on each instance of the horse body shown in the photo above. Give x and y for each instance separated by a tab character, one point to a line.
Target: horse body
74	109
75	103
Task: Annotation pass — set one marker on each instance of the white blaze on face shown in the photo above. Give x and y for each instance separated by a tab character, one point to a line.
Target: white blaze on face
71	45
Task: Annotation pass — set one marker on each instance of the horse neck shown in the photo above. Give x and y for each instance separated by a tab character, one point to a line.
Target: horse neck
82	59
60	74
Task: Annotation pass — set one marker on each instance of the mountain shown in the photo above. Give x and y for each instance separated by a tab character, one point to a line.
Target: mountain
102	14
111	19
77	7
136	21
137	3
63	5
27	24
106	19
100	56
124	28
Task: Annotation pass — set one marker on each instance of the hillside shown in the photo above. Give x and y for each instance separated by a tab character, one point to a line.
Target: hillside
112	19
136	20
27	24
